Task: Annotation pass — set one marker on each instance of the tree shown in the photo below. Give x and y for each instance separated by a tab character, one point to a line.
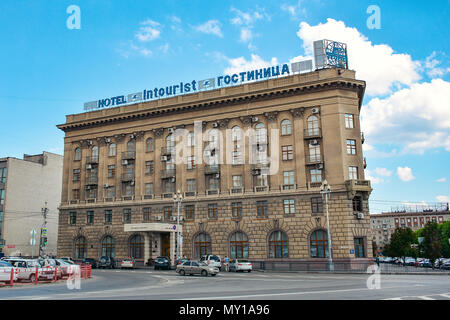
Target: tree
432	242
400	244
444	229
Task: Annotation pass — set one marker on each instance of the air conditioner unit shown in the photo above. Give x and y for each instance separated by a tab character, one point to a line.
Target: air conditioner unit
254	119
106	186
174	218
88	167
163	158
314	142
107	140
132	136
132	183
158	218
217	175
124	162
172	180
88	187
89	142
215	124
171	130
256	172
315	110
319	166
360	215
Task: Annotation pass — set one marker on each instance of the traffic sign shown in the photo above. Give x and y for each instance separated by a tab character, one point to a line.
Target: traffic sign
44	232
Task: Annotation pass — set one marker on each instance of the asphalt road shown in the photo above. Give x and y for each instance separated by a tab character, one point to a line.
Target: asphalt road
167	285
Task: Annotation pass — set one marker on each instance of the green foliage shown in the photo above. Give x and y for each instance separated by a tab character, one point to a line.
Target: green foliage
432	242
400	244
444	229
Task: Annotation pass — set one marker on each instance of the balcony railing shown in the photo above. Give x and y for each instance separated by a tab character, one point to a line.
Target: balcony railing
237	190
167	151
92	160
212	169
314	159
128	155
127	176
190	194
261	188
358	185
211	192
312	133
168	173
91	180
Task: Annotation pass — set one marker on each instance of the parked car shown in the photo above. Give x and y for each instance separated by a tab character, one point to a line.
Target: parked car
5	272
196	267
67	268
48	268
90	261
128	263
409	261
106	262
68	259
212	260
425	263
26	269
162	263
180	261
445	264
388	260
240	265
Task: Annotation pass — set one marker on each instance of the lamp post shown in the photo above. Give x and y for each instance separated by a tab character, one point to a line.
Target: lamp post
325	191
178	198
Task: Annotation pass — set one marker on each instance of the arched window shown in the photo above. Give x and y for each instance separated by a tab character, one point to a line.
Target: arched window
319	244
80	248
236	133
261	133
149	145
170	141
131	147
108	247
137	247
278	245
313	125
202	245
191	139
94	153
286	127
112	150
77	154
239	245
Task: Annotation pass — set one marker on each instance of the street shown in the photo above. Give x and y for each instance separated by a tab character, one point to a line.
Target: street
167	285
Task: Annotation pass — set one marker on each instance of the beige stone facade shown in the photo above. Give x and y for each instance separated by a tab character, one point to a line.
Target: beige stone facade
311	124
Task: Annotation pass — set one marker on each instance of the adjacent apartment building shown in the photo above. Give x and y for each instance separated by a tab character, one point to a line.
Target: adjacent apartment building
123	165
383	225
26	186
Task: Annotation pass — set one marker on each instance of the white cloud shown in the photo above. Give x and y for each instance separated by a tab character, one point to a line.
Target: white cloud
149	31
241	64
418	117
405	174
431	66
295	11
210	27
377	64
246	21
443	198
383	172
373	179
441	180
246	34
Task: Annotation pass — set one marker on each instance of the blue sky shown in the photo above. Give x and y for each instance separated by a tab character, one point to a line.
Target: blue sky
48	71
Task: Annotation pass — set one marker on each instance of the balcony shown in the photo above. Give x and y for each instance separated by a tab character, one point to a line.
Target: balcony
212	169
91	180
190	194
260	168
167	151
168	173
92	160
312	133
237	190
128	155
358	185
315	159
212	192
261	189
126	177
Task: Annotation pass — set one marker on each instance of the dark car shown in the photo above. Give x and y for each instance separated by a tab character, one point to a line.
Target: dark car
162	263
90	261
106	262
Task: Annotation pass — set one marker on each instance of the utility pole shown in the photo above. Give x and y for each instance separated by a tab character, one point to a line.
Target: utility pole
43	237
178	198
325	190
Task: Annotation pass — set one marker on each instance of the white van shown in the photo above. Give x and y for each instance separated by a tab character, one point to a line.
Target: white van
212	260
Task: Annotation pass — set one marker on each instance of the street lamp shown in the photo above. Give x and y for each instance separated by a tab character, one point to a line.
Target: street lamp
178	198
325	191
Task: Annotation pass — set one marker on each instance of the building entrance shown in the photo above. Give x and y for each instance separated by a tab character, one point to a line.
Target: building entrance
165	244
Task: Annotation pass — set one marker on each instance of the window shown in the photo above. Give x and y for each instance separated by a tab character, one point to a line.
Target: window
108	216
90	217
262	208
2	196
202	245
359	248
137	247
3	172
191	139
288	180
236	133
91	193
149	167
351	146
316	175
128	190
213	183
286	127
76	194
112	150
191	185
131	147
212	210
319	244
239	246
73	218
236	209
191	162
80	248
314	153
149	188
357	204
76	175
349	121
261	133
262	180
237	158
1	220
287	152
149	145
110	192
111	171
289	206
189	212
77	156
147	213
127	215
108	247
353	173
278	245
167	213
317	205
313	126
237	182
